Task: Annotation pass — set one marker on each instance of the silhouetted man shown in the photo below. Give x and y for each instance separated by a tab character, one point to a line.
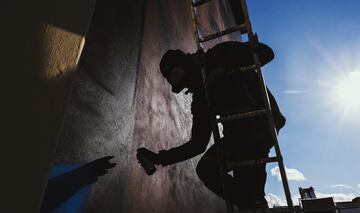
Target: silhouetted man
231	92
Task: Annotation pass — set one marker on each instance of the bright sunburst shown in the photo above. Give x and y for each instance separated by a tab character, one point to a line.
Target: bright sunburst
346	91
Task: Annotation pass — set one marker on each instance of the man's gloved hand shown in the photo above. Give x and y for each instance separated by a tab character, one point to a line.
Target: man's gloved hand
153	157
148	160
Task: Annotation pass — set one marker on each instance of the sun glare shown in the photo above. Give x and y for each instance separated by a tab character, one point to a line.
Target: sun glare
347	91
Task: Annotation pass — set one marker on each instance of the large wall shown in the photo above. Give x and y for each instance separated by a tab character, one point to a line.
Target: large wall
120	102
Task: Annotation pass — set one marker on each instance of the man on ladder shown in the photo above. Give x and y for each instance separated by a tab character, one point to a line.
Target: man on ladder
231	91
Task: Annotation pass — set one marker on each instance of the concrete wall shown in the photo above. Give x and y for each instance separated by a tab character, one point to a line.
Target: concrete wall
40	48
120	102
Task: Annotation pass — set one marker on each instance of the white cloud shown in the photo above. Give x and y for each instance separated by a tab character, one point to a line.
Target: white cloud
341	186
358	185
338	197
292	174
274	200
295	91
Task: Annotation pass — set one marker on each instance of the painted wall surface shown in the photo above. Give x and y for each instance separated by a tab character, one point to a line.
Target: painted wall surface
39	52
120	102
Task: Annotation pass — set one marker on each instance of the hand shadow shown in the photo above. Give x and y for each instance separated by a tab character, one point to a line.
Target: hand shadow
64	186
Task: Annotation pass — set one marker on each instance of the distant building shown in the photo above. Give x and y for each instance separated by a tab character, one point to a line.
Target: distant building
310	203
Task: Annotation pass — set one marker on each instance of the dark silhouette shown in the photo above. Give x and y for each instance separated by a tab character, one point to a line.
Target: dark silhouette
231	91
64	186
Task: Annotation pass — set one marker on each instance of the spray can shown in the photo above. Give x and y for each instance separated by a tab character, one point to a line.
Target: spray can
147	164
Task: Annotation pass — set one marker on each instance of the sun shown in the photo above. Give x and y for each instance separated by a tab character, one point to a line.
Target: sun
346	91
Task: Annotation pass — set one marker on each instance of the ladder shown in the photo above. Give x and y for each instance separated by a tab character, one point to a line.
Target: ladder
243	28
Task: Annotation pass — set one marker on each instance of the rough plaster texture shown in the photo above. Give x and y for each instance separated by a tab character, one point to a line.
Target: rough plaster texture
38	59
99	119
120	102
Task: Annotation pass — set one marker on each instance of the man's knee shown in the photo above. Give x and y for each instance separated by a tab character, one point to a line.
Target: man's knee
207	169
208	165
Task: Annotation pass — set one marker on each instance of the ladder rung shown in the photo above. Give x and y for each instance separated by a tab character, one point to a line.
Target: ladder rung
247	68
243	69
199	2
242	28
241	115
232	165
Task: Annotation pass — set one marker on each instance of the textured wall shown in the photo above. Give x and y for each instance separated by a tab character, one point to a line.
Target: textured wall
163	120
38	55
99	119
120	102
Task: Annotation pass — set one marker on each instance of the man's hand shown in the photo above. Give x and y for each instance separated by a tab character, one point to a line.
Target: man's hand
148	160
153	157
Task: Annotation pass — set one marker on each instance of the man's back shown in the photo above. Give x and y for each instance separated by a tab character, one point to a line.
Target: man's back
233	91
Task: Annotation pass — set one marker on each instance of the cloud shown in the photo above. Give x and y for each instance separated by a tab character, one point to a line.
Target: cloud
274	200
295	91
341	186
338	197
292	174
358	185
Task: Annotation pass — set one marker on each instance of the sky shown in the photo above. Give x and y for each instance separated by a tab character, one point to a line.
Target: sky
315	78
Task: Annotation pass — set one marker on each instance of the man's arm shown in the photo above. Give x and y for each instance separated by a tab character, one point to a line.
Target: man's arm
200	135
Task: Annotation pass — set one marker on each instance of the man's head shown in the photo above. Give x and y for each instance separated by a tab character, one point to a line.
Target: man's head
174	66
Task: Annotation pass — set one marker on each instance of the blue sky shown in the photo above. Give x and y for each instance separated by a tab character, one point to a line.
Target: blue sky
317	60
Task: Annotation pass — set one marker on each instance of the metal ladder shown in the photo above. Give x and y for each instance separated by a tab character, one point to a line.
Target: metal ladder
243	28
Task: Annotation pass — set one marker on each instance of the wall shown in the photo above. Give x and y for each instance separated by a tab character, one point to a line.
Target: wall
40	48
120	102
163	120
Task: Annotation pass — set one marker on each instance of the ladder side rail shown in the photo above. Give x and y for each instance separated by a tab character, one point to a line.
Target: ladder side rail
275	141
195	28
199	2
253	41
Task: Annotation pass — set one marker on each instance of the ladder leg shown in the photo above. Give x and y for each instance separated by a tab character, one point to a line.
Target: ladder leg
276	142
195	25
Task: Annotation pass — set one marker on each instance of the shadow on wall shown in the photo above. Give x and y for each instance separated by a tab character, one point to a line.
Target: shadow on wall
40	48
64	186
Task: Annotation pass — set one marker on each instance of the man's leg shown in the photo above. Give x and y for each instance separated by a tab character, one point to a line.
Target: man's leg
251	183
208	171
